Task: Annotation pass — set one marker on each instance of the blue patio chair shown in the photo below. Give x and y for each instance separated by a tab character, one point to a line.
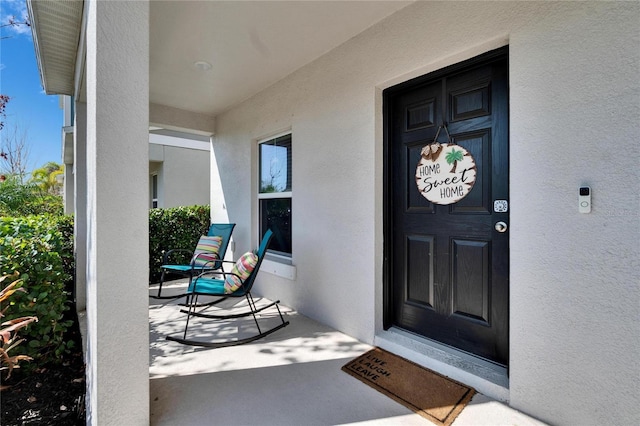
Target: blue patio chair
201	260
236	283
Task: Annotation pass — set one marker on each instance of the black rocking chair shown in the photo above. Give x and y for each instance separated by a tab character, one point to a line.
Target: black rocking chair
237	283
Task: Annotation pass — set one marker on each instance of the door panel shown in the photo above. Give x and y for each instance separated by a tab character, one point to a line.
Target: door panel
447	266
420	277
478	201
470	280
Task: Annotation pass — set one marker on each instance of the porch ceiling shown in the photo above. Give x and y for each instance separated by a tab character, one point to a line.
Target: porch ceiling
248	45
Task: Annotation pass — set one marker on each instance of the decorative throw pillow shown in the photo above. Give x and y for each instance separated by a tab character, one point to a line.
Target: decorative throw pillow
240	272
206	251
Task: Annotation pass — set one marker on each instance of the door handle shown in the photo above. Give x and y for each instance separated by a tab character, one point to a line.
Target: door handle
501	227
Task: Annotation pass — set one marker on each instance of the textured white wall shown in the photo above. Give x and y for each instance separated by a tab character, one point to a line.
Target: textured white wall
575	299
575	312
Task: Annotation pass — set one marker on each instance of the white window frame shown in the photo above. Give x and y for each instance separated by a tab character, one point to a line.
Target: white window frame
276	256
157	188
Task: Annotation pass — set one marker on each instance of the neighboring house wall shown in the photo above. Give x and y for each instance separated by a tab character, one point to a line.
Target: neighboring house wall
182	171
574	107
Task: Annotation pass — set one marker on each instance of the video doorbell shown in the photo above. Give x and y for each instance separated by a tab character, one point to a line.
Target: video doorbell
584	200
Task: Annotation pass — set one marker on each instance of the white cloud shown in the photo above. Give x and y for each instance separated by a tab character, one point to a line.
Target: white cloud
16	11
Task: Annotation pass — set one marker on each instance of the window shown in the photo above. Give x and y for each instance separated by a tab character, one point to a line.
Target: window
154	191
274	196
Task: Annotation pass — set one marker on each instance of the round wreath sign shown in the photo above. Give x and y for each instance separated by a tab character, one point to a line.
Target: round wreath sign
446	173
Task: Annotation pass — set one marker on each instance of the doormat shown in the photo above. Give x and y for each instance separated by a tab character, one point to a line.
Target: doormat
426	392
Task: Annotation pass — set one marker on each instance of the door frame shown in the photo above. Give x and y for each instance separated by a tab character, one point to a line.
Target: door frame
387	181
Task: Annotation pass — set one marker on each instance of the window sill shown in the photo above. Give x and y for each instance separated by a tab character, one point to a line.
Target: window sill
279	269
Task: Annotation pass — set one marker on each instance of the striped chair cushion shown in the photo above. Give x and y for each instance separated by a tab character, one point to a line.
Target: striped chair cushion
206	251
240	272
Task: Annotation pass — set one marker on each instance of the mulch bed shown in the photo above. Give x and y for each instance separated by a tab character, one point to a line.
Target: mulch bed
51	394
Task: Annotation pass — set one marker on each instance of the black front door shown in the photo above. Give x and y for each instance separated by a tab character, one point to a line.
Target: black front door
447	266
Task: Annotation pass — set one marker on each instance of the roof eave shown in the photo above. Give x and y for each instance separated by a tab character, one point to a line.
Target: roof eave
55	26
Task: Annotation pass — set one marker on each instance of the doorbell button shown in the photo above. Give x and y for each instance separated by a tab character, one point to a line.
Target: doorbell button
584	199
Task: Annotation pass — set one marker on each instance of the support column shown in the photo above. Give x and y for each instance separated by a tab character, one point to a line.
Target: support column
68	191
80	204
117	207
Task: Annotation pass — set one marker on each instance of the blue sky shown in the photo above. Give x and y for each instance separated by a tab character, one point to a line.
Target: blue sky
30	109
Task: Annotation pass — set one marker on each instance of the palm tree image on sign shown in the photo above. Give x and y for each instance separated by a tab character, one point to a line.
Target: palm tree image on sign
453	157
445	179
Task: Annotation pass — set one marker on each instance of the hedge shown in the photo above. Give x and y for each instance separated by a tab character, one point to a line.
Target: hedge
174	228
39	248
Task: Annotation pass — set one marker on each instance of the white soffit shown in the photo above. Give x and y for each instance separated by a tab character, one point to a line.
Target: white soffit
250	45
56	31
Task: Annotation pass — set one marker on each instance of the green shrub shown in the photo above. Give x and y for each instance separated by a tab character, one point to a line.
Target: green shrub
64	224
21	199
174	228
34	246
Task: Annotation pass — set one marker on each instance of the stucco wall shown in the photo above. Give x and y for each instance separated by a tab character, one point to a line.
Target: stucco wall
575	277
185	177
575	302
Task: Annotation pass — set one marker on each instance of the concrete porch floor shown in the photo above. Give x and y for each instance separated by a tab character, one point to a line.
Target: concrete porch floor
291	377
